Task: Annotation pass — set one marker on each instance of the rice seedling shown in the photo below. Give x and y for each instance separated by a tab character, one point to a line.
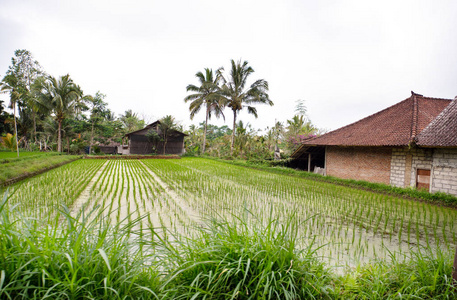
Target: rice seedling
347	226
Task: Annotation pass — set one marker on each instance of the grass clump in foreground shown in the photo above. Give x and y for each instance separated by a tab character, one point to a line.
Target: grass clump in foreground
234	260
424	276
69	257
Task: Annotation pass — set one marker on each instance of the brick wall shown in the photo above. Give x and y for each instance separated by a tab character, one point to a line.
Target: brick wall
444	172
361	163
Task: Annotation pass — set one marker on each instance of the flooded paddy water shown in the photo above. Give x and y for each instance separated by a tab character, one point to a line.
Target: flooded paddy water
346	226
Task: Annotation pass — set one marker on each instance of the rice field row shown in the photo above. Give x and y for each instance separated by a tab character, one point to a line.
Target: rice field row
348	226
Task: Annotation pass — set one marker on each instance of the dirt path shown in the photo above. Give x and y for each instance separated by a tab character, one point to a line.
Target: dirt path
85	199
193	215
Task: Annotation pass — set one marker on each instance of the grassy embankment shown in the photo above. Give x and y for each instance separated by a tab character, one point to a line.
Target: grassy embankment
14	168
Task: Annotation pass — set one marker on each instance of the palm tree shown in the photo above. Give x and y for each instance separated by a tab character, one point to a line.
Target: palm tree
131	121
205	95
237	96
11	84
60	97
300	125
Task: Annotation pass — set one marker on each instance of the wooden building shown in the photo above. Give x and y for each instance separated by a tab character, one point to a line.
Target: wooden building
139	143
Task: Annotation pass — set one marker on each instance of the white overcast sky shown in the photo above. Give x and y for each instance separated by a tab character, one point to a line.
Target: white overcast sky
346	59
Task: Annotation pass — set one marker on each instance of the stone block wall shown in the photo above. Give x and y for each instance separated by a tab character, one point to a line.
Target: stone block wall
405	163
397	169
444	174
421	159
441	162
372	164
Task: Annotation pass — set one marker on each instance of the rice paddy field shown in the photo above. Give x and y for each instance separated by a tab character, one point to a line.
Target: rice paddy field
195	228
346	226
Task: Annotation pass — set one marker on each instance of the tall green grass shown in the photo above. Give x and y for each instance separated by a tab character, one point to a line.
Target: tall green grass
91	255
244	260
424	276
72	257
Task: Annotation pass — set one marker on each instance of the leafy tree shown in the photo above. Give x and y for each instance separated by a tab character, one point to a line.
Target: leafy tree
274	136
298	130
49	129
9	141
300	107
237	95
192	141
98	112
25	69
215	131
60	97
10	84
5	119
167	126
243	136
131	121
205	95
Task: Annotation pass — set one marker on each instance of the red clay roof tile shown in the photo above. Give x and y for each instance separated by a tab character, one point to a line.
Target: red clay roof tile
442	131
396	125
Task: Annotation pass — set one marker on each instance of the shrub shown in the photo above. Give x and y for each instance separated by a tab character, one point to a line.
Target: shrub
228	260
68	257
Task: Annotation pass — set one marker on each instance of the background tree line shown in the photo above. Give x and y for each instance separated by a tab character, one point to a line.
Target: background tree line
53	113
217	91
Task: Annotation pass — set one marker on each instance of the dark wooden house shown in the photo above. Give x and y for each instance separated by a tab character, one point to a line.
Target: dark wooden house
139	143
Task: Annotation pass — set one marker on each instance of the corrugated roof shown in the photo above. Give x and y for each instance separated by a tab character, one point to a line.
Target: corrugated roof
396	125
153	125
147	127
442	131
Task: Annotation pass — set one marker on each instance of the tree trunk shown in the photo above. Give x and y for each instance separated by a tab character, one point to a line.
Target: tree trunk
15	128
34	126
233	133
165	133
91	138
204	133
59	136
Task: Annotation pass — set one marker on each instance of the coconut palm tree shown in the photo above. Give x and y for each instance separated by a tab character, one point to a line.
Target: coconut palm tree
206	95
131	121
237	95
60	97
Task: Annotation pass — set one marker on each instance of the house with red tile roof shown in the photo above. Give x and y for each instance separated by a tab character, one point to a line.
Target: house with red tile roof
410	144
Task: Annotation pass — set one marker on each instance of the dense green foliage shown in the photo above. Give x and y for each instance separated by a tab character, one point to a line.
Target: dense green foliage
53	113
